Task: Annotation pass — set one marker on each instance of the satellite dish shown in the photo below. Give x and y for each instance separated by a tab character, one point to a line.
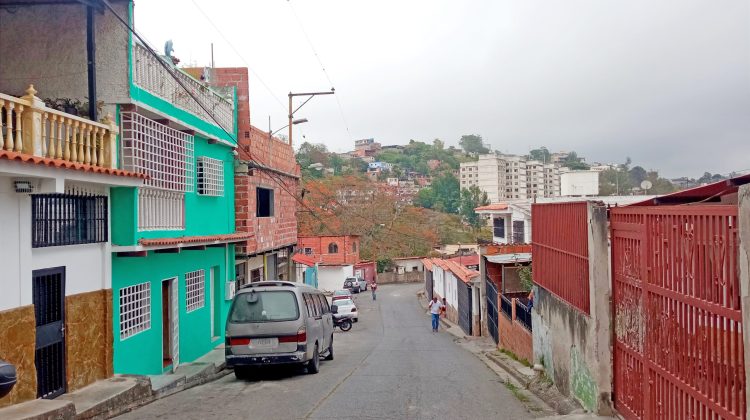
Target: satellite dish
646	185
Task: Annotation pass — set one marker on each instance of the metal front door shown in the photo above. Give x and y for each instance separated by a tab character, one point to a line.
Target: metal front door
491	292
49	309
464	307
428	286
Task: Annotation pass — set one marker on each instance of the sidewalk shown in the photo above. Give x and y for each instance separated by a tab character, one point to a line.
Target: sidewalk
110	397
539	395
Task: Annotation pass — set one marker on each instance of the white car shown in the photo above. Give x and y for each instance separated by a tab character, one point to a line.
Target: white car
346	309
362	284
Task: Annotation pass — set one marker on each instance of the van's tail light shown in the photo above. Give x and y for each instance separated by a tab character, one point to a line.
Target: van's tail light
299	338
238	341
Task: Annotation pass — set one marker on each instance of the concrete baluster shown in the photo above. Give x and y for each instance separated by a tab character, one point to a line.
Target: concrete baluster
68	137
9	125
33	130
19	141
74	140
109	143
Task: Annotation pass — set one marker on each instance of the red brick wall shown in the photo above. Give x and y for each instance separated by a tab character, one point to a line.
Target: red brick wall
370	270
256	146
319	244
514	337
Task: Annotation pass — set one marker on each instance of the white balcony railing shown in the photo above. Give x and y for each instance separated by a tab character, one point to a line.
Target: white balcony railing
28	126
150	75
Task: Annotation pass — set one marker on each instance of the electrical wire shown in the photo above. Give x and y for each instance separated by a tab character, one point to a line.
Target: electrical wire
322	67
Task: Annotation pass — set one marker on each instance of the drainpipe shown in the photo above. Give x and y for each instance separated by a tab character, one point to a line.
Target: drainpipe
91	61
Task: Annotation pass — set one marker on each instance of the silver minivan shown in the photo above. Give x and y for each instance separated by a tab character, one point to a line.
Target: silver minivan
278	322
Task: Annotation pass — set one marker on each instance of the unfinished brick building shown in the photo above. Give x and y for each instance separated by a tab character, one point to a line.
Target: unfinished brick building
266	180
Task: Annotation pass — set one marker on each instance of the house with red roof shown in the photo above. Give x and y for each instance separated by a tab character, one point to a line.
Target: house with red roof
459	286
510	222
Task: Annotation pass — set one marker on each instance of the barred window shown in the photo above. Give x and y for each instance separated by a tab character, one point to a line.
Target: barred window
210	176
135	309
161	152
195	287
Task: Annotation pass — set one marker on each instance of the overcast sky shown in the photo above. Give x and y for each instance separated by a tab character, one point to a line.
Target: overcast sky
665	82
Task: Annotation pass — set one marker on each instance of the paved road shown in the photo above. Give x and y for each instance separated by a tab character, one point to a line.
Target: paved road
389	366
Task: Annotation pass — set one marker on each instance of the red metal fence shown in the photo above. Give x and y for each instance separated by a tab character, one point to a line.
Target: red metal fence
561	251
677	316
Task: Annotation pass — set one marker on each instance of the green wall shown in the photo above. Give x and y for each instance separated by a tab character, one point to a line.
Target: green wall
204	215
142	353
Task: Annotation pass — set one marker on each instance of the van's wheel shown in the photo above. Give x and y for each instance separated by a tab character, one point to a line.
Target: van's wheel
329	356
241	373
313	366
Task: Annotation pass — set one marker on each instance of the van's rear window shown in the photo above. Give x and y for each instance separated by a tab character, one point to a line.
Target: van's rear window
266	306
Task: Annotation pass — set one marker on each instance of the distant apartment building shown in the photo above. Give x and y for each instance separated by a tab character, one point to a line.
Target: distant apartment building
383	166
366	148
510	177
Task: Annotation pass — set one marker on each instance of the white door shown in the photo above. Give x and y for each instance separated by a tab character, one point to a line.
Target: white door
175	323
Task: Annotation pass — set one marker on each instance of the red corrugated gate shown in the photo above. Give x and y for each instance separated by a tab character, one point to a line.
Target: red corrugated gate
561	251
676	295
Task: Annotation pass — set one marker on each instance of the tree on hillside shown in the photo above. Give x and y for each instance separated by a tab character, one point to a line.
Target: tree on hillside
541	154
472	198
447	193
708	178
336	163
425	198
572	161
473	144
438	144
637	175
615	182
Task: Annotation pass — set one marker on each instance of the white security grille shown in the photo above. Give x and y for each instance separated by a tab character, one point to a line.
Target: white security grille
195	287
162	153
135	309
210	176
160	209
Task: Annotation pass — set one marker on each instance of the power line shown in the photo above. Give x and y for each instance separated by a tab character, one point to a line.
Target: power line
260	79
325	72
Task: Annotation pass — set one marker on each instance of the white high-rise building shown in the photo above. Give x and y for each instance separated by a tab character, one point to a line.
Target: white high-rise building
511	177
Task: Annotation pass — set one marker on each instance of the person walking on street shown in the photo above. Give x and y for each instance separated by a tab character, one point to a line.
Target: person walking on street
374	287
435	308
444	309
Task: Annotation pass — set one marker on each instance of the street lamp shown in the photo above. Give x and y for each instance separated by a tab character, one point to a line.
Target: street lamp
294	122
291	113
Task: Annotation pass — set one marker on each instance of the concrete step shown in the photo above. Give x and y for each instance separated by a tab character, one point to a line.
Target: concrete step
40	410
108	397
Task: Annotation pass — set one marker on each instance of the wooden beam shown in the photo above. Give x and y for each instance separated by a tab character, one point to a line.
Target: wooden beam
133	254
191	132
221	245
168	251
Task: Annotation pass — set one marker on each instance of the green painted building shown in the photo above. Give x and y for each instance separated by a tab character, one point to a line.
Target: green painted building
172	239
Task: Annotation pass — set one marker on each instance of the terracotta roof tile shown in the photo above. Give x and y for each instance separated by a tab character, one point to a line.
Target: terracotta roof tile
465	260
304	259
427	263
230	237
495	206
59	163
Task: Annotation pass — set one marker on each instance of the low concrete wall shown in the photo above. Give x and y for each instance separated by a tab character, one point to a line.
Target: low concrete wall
408	277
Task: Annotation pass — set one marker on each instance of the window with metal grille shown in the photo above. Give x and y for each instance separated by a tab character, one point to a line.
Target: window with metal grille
68	219
195	290
263	202
135	309
498	225
518	232
256	275
210	176
160	209
161	152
